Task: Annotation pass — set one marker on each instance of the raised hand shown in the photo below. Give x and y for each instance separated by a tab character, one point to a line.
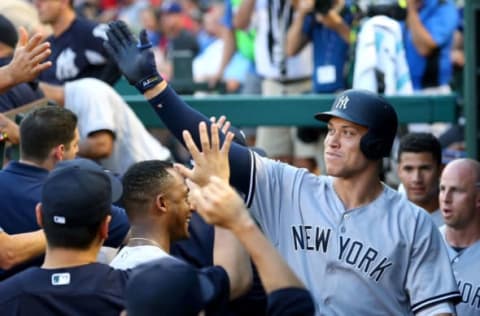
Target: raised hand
28	60
134	58
212	160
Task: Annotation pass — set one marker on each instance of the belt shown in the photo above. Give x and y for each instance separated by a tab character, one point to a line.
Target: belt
290	81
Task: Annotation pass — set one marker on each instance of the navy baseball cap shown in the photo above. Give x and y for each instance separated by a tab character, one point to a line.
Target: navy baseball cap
79	192
168	286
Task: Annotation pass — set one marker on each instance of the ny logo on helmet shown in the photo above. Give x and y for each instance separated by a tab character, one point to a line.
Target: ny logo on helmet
342	102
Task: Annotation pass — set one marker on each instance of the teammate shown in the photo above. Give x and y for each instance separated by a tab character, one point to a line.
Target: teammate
360	247
164	280
110	132
48	135
77	50
460	204
74	212
419	168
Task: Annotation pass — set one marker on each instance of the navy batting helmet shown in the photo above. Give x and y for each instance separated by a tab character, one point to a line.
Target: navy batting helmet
370	110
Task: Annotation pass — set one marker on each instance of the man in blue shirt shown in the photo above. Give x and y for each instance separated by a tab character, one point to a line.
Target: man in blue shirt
428	37
48	135
77	45
75	213
330	34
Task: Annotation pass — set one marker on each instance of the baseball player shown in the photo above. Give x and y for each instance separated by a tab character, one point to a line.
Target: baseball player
76	45
419	166
360	247
459	199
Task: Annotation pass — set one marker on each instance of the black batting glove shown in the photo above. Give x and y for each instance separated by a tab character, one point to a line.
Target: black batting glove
134	58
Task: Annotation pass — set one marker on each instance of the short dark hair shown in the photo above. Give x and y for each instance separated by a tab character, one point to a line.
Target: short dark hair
141	183
78	237
419	143
43	129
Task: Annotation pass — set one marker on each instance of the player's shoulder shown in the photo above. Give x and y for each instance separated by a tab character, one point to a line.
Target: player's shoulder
400	205
16	285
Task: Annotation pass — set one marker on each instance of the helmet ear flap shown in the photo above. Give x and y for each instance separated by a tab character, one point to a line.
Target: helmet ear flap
373	148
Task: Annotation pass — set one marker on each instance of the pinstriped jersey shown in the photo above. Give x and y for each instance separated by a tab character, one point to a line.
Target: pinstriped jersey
384	258
465	266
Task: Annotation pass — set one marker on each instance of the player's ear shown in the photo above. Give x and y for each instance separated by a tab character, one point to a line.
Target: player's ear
123	313
161	203
38	214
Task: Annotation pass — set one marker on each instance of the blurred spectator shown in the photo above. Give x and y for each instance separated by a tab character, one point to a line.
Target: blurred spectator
428	33
182	45
77	45
282	75
21	93
210	65
23	13
130	12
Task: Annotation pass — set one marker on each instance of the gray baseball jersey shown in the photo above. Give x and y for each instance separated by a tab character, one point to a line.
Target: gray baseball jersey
465	266
385	258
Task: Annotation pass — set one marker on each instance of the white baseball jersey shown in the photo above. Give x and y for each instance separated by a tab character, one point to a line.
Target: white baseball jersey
384	258
98	107
465	266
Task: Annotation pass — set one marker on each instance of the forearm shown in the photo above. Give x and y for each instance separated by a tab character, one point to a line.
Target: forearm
421	38
229	253
242	18
6	79
178	116
228	49
19	248
273	270
98	146
295	39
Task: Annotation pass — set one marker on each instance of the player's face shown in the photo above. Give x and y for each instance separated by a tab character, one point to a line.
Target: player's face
419	173
179	209
72	150
49	10
343	157
459	196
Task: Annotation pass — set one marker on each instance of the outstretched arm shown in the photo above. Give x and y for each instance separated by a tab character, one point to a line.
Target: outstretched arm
220	205
28	61
136	62
19	248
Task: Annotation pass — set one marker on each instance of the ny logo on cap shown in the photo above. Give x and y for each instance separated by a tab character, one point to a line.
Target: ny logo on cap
342	102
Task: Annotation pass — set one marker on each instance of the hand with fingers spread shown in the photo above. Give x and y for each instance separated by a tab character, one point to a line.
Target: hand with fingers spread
222	123
134	58
219	204
28	61
212	160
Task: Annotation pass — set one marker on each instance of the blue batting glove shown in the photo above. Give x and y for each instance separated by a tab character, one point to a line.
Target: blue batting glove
134	58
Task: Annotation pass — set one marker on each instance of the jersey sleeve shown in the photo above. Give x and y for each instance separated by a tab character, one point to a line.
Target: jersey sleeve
430	279
273	194
90	99
221	284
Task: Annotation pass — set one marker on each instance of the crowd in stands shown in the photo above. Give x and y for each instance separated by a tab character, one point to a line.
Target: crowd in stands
195	217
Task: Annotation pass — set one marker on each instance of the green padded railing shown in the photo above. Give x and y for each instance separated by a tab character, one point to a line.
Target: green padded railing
296	110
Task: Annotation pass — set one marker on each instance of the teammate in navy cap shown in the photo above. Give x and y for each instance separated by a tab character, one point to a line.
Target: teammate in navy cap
74	212
358	245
